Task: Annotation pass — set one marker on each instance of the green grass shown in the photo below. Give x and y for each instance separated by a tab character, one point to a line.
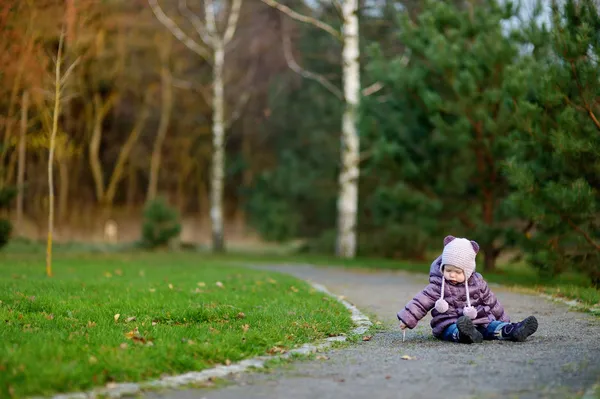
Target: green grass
191	312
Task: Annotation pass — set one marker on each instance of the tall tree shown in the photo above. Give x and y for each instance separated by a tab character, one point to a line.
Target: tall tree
347	205
555	165
443	123
212	49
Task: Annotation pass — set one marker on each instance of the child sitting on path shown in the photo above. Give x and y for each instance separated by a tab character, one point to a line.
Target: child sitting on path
466	313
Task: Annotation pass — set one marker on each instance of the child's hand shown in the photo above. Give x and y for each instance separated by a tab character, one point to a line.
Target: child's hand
403	326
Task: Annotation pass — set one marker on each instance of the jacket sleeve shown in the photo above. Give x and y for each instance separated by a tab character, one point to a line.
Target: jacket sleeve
419	306
490	300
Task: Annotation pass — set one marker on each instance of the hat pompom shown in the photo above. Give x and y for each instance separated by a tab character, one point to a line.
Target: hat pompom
470	312
441	305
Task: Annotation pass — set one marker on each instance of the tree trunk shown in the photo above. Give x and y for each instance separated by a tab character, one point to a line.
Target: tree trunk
218	156
165	116
131	186
21	166
489	258
350	146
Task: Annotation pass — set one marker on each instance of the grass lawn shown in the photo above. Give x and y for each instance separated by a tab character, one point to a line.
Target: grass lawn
131	317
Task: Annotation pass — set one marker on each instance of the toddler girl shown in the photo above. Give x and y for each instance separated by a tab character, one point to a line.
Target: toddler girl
469	312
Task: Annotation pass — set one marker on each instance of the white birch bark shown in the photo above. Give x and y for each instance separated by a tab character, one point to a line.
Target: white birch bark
218	156
347	205
217	42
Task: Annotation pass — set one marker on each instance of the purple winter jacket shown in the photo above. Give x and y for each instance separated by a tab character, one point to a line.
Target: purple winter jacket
482	298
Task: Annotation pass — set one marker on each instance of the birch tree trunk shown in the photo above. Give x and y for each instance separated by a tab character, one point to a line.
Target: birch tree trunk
347	205
218	157
212	49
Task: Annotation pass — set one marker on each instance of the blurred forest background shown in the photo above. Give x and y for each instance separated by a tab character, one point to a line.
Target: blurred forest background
476	119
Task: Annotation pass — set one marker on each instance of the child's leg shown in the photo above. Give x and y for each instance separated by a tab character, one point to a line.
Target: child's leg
450	333
509	331
493	330
521	330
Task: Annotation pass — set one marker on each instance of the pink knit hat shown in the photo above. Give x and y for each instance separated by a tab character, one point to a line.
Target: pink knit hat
461	253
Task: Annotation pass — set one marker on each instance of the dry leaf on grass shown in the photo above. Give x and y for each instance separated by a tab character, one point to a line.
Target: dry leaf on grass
219	284
245	327
241	315
130	319
201	284
406	357
116	317
322	357
367	337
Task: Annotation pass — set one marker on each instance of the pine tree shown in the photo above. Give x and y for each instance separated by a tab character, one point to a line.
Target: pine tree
556	162
441	131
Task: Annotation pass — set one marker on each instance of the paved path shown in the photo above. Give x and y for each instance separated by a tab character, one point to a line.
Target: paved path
562	360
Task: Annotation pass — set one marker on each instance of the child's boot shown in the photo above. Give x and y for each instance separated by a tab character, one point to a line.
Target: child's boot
467	333
521	330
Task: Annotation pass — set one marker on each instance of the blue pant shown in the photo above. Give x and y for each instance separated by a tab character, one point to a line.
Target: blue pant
490	332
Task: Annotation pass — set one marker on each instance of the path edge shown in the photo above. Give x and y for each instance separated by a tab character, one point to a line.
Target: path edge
118	390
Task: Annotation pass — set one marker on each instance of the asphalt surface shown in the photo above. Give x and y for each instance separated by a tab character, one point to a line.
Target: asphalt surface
561	360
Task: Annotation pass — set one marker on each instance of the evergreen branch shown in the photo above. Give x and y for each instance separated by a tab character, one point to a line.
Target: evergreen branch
304	18
293	65
574	226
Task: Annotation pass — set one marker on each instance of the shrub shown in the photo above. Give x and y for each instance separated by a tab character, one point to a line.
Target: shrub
160	224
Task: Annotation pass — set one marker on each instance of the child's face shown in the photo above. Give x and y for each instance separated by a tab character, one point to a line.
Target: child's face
454	274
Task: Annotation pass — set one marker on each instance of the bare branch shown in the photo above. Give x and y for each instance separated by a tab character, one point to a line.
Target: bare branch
287	51
235	115
304	18
374	88
177	32
185	85
234	15
69	71
197	22
209	14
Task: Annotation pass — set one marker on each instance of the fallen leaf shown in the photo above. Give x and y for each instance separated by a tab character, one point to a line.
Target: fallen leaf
93	360
117	316
150	343
378	323
294	288
245	327
154	323
50	316
270	280
227	362
190	342
91	324
322	357
132	333
123	345
107	274
130	319
171	286
201	284
406	357
119	272
219	284
367	337
241	315
152	289
387	377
